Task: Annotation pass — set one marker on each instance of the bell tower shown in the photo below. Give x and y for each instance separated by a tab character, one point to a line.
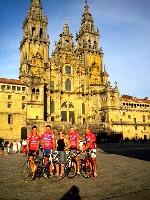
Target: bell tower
34	47
34	59
88	48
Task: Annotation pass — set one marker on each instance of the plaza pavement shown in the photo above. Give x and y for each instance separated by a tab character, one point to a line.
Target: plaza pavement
123	174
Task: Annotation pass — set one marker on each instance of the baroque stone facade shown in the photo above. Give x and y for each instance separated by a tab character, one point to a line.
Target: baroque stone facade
71	86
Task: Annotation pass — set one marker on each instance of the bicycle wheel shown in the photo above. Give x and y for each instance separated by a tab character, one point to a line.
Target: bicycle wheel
71	170
26	172
86	170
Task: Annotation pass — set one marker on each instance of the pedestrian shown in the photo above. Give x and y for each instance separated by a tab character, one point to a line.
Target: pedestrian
9	147
14	146
19	146
24	147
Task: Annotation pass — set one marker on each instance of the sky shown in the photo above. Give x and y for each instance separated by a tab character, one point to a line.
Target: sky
124	27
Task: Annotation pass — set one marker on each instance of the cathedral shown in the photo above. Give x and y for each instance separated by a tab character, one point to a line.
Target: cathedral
71	87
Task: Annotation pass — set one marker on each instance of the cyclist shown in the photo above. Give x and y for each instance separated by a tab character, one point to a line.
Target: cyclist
74	140
48	142
63	144
90	139
33	142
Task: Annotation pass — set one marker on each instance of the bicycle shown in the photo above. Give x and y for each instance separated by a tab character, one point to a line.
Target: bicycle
69	167
86	165
43	170
26	171
71	164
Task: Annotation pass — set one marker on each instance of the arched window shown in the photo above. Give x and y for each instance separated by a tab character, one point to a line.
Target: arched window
95	44
83	108
33	31
68	85
52	106
41	32
89	43
68	69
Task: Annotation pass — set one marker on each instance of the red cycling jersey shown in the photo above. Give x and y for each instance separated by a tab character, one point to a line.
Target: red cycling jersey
73	136
33	141
48	140
89	137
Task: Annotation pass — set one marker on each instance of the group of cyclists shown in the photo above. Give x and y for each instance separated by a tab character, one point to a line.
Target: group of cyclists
49	142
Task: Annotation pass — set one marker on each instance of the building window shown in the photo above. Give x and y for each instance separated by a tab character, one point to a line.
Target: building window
37	117
135	120
10	119
18	88
52	106
9	96
71	117
82	88
148	117
68	85
23	89
8	87
9	105
33	90
13	88
135	127
41	32
3	87
37	91
83	108
68	70
33	31
64	116
52	85
121	121
103	118
129	116
23	106
143	118
23	98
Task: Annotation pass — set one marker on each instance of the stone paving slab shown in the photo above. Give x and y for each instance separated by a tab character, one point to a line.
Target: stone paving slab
119	177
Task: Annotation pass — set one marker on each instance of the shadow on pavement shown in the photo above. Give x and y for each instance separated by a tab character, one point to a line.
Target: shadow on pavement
72	194
132	150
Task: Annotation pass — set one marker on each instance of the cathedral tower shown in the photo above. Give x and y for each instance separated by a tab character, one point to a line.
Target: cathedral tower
34	58
88	48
